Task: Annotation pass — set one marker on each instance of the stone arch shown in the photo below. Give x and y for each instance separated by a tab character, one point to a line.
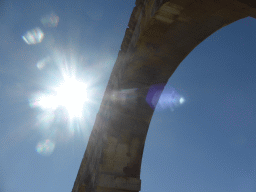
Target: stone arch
161	34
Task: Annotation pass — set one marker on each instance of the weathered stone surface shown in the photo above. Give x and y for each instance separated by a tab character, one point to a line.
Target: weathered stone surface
161	34
121	183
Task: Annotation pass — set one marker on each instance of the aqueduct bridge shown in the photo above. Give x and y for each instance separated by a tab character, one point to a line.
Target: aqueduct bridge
161	34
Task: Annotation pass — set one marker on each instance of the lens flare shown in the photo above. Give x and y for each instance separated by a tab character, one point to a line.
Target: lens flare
42	63
126	97
45	147
33	36
48	102
50	20
60	104
159	100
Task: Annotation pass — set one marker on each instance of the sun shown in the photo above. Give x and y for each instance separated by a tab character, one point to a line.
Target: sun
71	94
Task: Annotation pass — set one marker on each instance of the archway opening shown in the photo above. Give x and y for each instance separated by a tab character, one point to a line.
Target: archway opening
208	142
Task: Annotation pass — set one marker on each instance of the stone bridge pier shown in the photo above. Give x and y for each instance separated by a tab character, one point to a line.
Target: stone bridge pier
161	34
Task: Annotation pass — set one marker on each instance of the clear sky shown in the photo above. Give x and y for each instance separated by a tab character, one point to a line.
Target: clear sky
202	136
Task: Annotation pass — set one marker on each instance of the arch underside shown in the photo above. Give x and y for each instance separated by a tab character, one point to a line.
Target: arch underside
160	35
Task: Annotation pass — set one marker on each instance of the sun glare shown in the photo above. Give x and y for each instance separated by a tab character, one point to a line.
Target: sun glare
71	94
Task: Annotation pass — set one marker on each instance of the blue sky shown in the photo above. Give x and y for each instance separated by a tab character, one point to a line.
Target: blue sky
206	143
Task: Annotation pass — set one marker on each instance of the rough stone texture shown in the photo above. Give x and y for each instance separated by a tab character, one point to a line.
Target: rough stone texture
161	34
